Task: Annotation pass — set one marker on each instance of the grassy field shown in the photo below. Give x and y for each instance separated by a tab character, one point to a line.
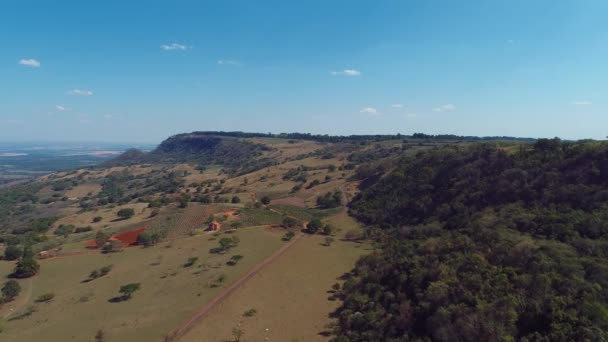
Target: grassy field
169	291
290	296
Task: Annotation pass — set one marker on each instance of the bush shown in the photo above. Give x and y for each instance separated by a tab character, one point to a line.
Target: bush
26	267
250	313
313	226
97	219
330	200
234	260
191	261
83	230
148	239
125	213
236	199
105	270
10	290
113	246
101	238
265	200
64	230
127	290
12	253
290	222
288	236
45	298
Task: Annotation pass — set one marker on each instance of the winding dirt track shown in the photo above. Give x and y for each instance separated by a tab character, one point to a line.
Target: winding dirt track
204	310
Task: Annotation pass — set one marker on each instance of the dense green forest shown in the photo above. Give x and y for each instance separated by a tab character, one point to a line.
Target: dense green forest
484	244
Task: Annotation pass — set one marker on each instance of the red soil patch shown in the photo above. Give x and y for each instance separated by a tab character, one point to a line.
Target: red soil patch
128	238
294	201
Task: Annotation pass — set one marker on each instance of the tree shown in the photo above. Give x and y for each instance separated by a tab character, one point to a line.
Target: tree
327	229
126	213
265	200
12	253
101	238
328	241
288	236
330	200
236	199
183	200
290	222
148	239
10	290
113	246
26	267
314	225
100	336
127	290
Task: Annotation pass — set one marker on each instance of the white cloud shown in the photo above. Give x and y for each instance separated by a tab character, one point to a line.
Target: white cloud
175	46
80	92
397	105
370	111
60	108
582	103
347	72
30	62
411	115
445	108
229	62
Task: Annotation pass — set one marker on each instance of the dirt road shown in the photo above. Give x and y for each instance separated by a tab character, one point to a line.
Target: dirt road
204	310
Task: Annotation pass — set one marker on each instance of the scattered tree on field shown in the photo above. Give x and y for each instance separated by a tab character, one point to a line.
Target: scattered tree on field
10	290
125	213
127	291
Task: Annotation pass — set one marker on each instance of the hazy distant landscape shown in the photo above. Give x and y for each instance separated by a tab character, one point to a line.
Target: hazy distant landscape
22	161
304	171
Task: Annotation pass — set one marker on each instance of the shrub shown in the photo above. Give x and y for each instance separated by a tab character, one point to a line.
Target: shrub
250	313
288	236
127	290
12	253
113	246
101	238
26	267
290	222
234	260
105	270
64	229
313	226
265	200
97	219
45	298
125	213
82	230
236	199
10	290
191	261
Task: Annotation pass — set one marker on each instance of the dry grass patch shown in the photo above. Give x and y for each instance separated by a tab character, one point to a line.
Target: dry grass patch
170	293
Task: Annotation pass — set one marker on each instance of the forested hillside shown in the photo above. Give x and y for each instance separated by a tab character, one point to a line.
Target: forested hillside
483	244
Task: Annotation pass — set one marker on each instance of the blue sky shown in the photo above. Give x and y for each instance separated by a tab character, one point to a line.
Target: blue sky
135	71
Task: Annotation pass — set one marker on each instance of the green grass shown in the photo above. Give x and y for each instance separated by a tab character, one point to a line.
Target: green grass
258	217
290	296
305	214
